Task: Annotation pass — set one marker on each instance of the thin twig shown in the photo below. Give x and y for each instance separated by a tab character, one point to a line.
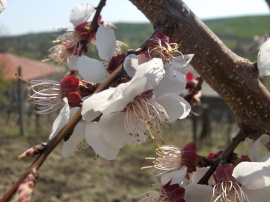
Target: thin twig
94	24
241	136
61	135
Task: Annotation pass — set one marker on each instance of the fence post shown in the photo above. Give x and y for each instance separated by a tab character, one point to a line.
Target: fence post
20	102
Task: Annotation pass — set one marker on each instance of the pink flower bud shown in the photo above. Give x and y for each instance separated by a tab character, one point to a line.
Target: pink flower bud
26	188
33	151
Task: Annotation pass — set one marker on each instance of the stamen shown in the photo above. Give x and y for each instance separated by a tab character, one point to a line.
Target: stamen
169	158
46	95
228	191
146	167
145	114
82	145
21	78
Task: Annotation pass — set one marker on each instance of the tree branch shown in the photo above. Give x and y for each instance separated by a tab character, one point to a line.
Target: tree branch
241	135
234	78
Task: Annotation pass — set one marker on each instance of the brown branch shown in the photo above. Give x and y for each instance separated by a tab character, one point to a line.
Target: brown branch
57	139
94	24
241	136
234	78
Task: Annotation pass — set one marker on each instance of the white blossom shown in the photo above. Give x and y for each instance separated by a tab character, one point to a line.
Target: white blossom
264	59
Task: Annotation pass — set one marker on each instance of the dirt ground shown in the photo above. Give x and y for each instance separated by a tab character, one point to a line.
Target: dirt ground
81	178
77	178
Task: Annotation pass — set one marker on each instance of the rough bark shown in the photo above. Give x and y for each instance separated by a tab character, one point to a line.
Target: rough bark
234	78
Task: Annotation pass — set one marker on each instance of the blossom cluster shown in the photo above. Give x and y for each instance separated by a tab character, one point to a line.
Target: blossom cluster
236	179
241	180
132	109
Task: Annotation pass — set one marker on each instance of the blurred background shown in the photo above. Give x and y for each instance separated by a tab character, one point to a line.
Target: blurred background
27	29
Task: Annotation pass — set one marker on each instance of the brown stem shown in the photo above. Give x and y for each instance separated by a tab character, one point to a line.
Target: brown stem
241	136
94	24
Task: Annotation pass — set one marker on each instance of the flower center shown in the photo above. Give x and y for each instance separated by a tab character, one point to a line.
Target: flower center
148	114
163	50
46	95
169	158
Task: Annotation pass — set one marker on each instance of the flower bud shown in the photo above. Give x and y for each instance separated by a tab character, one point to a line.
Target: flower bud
33	151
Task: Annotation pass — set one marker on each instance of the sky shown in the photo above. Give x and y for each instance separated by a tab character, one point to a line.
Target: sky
33	16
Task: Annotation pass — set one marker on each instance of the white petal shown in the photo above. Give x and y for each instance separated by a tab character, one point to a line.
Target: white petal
77	136
3	5
96	140
263	140
132	62
61	120
198	174
81	13
114	131
133	89
177	176
146	78
175	106
198	193
153	70
92	105
264	59
261	195
91	69
173	82
72	62
105	42
182	61
265	158
253	175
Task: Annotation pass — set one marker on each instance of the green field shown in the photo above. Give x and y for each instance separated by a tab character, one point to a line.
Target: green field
237	33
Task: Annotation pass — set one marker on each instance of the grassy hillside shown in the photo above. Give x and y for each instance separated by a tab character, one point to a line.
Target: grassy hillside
237	34
133	34
240	27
